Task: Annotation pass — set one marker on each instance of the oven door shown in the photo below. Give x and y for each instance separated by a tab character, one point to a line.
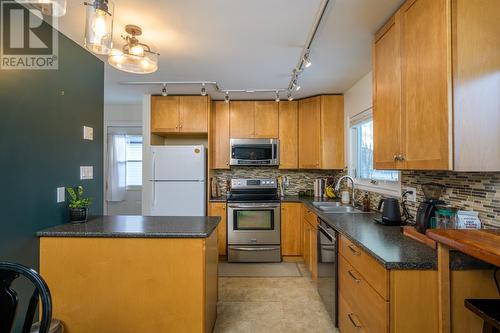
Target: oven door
253	223
254	152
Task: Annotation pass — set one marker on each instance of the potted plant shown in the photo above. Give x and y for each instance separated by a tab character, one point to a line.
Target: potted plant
78	205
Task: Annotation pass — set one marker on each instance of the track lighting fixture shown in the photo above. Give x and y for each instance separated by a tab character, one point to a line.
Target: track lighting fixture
164	90
289	96
203	90
99	26
226	98
277	96
134	57
296	85
307	60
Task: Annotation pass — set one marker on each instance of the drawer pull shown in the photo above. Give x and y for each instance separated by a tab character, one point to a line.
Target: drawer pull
354	276
353	250
351	315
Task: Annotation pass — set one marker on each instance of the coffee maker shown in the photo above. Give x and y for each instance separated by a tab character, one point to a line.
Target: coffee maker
426	209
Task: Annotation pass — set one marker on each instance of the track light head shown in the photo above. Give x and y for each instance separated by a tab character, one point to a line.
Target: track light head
203	90
297	87
289	96
277	99
307	60
226	98
164	90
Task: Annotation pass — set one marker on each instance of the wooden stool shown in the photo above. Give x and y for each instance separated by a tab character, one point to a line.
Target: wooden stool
488	310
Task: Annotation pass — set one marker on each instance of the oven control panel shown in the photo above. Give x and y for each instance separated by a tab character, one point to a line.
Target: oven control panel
253	183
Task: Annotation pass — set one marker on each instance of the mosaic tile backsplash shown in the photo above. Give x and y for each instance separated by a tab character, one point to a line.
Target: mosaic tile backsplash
300	180
478	191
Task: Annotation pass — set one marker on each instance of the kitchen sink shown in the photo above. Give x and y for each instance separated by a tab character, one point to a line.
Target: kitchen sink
335	207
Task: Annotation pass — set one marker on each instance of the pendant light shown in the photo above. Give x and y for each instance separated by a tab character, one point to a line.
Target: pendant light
50	7
99	26
134	57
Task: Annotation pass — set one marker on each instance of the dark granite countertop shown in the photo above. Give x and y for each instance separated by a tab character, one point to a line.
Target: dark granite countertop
386	244
137	226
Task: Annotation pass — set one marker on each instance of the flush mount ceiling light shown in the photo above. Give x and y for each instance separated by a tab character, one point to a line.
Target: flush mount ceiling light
99	26
50	7
134	57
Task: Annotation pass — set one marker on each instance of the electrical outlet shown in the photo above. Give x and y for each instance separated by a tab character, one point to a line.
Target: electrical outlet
88	133
61	194
413	195
86	172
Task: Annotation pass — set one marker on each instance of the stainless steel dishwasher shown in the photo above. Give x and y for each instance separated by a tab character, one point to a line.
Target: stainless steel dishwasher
327	268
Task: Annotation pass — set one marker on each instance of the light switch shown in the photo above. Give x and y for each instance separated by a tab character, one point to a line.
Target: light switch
86	172
61	194
88	133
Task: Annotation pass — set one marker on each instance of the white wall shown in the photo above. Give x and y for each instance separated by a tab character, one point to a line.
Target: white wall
357	99
122	115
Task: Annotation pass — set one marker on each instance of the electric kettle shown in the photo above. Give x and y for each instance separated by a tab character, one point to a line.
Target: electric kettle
391	213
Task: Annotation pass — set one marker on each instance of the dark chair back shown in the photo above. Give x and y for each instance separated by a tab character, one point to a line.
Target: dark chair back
9	301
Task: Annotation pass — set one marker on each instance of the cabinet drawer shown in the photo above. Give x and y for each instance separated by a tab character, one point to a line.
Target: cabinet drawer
349	321
371	309
376	275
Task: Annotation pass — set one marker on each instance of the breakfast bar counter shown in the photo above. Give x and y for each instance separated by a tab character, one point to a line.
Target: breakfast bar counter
133	273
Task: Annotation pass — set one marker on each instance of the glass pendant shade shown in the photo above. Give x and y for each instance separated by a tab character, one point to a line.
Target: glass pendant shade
138	64
134	57
99	26
50	7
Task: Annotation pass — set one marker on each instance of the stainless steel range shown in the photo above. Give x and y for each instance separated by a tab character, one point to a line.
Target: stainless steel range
253	221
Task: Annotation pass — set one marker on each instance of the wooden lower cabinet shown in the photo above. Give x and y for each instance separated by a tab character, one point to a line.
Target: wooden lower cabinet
219	209
309	236
291	227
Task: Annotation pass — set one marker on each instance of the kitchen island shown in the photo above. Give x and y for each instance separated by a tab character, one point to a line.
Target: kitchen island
133	273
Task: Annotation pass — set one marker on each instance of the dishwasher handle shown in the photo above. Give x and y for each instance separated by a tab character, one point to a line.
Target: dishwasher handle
323	230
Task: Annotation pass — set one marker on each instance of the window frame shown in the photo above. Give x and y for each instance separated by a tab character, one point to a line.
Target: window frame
392	188
135	187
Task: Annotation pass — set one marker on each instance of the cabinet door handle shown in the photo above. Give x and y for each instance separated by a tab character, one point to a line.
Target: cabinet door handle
401	157
351	315
353	276
395	157
353	250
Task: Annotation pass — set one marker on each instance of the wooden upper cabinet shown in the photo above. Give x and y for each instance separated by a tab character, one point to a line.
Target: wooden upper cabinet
165	114
309	133
387	96
220	135
332	132
266	119
179	114
321	132
426	84
193	114
288	134
242	119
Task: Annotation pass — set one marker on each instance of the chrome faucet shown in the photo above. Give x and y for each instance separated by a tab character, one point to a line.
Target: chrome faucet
337	187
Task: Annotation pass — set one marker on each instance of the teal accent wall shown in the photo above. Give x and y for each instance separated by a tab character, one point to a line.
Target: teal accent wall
42	146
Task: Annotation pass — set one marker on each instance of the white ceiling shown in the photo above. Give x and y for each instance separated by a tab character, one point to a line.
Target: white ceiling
242	44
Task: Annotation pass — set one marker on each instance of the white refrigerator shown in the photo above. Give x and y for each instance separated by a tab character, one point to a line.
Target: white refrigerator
178	183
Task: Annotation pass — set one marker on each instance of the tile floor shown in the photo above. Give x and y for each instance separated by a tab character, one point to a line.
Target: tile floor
271	304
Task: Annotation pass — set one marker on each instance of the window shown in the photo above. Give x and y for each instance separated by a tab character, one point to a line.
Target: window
134	160
361	158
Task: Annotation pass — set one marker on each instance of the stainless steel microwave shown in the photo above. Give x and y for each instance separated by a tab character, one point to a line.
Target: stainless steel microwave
254	152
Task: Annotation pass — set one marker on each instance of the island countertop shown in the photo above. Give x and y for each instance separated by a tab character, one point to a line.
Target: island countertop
137	227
